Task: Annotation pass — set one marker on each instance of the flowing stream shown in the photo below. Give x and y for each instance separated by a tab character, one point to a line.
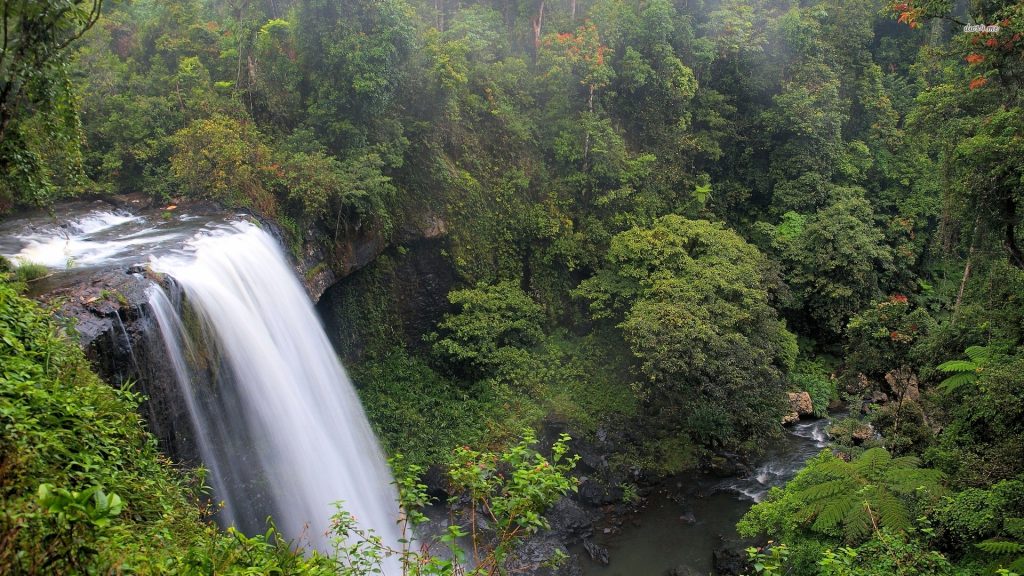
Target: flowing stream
278	423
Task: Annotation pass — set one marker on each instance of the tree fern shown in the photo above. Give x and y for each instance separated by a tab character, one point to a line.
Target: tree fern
852	499
964	372
891	511
859	523
834	511
872	462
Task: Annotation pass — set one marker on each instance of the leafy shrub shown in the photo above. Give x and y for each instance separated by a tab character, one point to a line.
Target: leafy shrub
880	338
981	441
419	412
493	327
506	494
813	378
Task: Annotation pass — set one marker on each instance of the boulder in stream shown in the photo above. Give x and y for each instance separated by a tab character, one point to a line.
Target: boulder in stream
730	559
596	552
800	405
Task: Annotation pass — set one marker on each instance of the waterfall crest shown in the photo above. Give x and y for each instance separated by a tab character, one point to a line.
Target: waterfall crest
277	420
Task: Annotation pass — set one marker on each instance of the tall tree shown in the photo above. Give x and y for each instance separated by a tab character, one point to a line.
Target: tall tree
38	120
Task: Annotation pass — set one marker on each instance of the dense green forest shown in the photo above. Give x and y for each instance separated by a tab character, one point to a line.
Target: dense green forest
662	215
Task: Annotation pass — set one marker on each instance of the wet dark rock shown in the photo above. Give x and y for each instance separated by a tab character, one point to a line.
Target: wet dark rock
436	481
406	289
324	259
534	557
730	559
595	492
596	552
571	521
682	571
727	464
109	311
877	398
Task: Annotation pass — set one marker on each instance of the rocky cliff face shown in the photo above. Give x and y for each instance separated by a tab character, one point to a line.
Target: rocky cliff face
110	313
397	298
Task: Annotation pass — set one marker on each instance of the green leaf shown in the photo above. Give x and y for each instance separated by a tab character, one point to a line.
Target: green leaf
1001	547
958	366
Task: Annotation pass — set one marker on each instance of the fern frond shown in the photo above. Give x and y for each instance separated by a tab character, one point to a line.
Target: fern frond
834	467
825	490
857	525
910	480
835	512
978	354
892	513
905	462
957	381
1001	547
958	366
1014	527
1017	566
810	511
872	461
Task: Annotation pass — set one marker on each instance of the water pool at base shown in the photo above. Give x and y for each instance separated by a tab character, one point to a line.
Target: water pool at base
687	518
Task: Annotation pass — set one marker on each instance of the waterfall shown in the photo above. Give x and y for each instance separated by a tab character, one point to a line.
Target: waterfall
277	421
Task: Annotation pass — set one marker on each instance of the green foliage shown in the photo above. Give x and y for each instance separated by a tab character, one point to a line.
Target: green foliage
420	413
836	263
508	493
222	159
692	301
847	500
887	553
1007	552
40	133
26	271
494	326
881	338
340	196
770	562
982	435
352	54
812	377
964	372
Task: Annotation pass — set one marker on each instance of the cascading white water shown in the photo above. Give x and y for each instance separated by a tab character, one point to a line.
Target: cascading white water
803	440
278	422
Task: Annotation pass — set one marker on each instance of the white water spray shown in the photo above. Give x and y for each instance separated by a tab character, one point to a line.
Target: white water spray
278	422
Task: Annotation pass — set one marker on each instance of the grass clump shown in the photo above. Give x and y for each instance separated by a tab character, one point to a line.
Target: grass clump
26	271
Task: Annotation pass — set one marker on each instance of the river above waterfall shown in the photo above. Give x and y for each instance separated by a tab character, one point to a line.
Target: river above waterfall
685	519
80	237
